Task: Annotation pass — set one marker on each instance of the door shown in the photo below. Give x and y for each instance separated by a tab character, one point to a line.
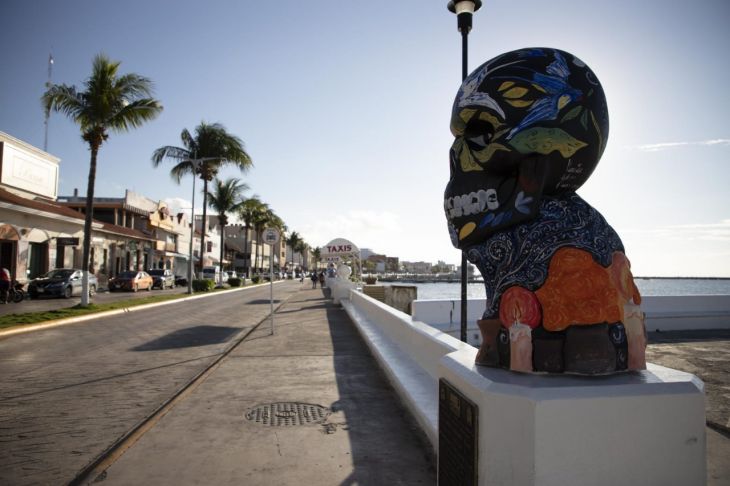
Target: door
38	260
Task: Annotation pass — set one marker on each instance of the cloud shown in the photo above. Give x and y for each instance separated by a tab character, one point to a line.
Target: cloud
656	147
181	205
704	231
365	228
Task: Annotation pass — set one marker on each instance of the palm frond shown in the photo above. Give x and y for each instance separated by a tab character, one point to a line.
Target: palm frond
170	152
64	99
182	169
134	114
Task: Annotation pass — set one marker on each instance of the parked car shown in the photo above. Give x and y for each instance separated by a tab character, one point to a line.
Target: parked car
133	281
181	280
162	278
214	273
231	274
61	282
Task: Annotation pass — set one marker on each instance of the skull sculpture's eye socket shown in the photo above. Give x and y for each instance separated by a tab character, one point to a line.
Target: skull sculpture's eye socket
478	134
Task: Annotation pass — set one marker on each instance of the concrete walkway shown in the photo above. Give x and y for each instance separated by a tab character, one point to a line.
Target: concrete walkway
314	358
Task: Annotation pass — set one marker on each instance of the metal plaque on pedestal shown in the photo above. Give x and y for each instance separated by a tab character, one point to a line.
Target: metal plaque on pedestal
458	436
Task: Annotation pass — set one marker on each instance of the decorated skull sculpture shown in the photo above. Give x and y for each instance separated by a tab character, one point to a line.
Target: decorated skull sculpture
530	127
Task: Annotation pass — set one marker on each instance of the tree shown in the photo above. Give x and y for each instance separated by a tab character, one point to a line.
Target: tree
248	212
317	254
293	241
109	102
301	247
226	197
260	219
203	155
271	220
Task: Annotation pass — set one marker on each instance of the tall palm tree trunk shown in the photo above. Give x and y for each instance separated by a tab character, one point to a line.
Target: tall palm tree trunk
245	249
256	259
87	226
223	233
203	224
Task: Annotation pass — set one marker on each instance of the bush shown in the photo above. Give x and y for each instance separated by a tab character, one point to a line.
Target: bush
256	279
234	282
203	285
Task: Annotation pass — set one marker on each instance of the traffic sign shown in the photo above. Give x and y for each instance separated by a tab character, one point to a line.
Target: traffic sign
271	236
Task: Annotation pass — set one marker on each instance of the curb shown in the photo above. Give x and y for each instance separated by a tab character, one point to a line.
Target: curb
73	320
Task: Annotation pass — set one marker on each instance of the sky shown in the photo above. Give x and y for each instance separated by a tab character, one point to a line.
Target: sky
344	107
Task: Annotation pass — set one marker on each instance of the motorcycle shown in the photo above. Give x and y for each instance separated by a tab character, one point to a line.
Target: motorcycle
15	293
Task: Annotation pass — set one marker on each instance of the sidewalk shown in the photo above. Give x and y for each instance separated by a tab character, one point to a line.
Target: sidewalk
315	357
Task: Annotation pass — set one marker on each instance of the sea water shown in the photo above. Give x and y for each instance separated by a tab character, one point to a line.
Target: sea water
647	286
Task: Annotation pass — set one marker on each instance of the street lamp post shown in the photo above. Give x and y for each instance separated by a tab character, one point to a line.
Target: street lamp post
196	165
464	10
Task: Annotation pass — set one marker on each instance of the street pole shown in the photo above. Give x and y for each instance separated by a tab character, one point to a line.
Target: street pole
464	10
192	237
271	286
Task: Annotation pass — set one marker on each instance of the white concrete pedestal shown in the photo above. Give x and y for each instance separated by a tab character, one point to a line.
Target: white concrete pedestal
341	289
635	428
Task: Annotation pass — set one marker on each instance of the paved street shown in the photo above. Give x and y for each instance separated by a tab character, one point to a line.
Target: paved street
67	393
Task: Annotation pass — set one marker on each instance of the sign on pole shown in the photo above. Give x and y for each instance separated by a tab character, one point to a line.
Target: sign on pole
271	237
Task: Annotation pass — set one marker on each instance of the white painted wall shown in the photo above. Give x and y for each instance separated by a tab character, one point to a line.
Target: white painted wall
634	428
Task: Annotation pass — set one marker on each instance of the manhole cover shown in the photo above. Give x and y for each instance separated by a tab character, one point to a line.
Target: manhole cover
284	414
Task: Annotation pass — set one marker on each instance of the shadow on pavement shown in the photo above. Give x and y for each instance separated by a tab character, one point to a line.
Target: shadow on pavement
262	301
190	337
387	445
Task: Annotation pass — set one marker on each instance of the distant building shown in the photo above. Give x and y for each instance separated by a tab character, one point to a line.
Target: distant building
420	268
170	233
365	253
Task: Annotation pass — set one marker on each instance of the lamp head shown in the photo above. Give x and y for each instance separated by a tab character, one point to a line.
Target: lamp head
464	9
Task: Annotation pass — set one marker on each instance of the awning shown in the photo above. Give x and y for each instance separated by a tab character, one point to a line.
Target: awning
184	256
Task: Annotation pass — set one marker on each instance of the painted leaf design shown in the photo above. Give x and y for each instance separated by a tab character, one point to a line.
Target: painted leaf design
522	202
467	161
546	140
466	230
520	103
466	114
486	154
584	120
505	85
493	120
515	93
572	114
598	131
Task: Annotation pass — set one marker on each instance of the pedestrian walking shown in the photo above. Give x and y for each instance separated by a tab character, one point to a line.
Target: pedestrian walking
314	279
4	285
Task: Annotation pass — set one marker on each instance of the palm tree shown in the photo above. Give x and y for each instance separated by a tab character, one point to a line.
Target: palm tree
211	148
293	241
248	213
226	197
276	222
266	218
109	102
301	248
259	220
317	254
